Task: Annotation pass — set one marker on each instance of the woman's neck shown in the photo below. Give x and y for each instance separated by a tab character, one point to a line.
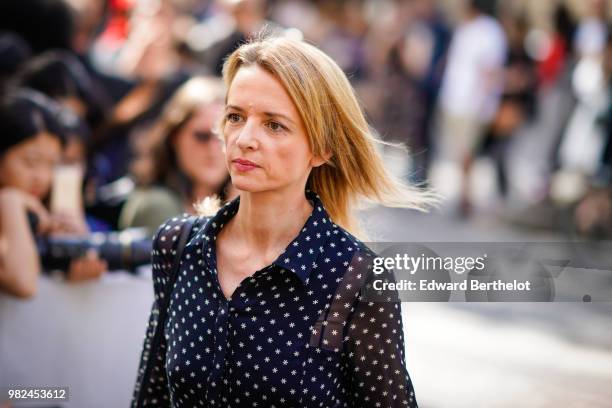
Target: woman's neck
270	219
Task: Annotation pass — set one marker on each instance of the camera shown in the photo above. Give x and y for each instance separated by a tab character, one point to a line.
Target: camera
120	250
126	250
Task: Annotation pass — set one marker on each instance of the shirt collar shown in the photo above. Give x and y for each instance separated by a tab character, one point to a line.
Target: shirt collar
299	256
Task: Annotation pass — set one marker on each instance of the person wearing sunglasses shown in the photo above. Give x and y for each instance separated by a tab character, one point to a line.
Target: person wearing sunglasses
181	161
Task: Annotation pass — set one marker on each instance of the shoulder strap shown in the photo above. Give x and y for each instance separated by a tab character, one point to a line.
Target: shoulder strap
163	306
176	262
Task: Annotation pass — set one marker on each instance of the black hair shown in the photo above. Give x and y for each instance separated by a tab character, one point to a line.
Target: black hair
484	6
60	74
44	24
25	113
564	24
14	52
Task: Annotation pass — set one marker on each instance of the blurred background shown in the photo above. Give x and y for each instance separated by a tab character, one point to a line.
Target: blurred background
107	126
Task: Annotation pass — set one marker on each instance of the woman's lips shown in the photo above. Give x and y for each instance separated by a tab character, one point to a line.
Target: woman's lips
244	165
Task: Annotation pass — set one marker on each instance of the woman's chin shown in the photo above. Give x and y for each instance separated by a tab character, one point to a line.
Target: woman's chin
243	184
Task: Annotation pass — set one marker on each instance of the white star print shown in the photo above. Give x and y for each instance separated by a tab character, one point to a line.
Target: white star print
215	358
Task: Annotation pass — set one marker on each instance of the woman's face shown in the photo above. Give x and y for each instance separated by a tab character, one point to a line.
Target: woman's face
266	144
199	152
29	165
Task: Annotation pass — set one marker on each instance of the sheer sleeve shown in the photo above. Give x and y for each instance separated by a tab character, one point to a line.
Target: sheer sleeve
374	356
155	386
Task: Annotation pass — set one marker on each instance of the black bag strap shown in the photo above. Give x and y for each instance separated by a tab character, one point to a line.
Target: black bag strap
163	303
183	238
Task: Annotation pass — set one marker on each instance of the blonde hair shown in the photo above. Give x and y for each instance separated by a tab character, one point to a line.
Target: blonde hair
334	123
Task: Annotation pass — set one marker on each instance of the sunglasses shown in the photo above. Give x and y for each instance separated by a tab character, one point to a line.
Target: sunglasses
203	137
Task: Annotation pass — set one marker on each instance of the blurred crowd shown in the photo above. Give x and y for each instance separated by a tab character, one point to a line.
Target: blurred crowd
109	110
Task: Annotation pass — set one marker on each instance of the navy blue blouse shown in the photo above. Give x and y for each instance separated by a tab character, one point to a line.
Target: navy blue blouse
254	349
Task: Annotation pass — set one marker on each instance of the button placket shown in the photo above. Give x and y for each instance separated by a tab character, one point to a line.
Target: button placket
220	343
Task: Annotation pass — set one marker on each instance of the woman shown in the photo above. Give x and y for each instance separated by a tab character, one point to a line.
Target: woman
181	161
257	280
30	147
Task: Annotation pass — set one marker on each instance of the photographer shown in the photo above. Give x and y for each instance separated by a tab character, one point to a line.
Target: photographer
31	145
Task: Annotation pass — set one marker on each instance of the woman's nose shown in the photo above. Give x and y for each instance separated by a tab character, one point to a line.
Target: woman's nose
247	137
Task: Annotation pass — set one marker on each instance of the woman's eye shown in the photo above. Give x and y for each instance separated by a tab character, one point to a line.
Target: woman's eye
233	117
275	126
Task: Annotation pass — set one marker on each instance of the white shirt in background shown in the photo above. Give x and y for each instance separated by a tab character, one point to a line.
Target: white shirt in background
473	82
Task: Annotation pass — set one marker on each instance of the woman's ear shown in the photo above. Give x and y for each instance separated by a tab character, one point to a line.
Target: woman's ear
317	161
